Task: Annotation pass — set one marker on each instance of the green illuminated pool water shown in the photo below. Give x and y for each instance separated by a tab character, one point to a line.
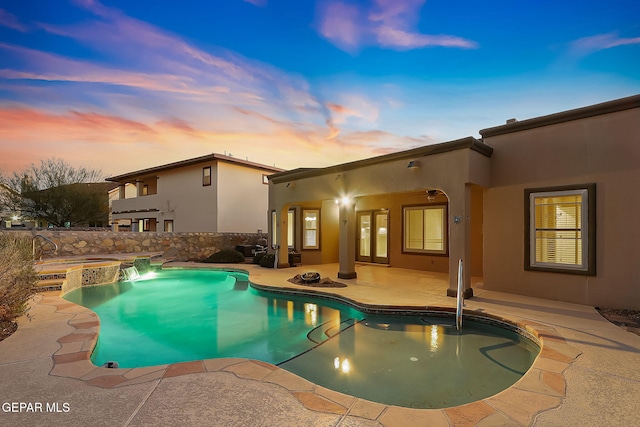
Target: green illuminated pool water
422	362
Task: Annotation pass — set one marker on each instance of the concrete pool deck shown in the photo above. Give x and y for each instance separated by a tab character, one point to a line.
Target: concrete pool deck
588	373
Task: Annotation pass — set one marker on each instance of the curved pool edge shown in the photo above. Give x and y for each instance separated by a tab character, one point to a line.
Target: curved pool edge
543	387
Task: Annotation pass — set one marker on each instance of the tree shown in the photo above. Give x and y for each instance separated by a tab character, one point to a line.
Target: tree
58	193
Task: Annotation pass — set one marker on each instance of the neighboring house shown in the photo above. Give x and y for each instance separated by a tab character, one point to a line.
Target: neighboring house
544	207
212	193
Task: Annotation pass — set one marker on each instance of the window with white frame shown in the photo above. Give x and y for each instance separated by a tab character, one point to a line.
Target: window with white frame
560	232
425	229
310	229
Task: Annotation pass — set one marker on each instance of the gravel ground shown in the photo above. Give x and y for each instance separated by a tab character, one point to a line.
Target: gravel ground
627	319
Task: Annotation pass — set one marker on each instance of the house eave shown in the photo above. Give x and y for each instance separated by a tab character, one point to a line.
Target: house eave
207	158
427	150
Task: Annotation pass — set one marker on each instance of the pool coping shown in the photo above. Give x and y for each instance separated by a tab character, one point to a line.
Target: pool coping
543	387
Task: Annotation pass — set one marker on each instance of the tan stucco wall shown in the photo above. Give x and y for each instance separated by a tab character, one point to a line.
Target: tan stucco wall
603	149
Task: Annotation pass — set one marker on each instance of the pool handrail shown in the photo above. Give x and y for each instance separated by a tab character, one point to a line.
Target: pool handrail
33	244
460	296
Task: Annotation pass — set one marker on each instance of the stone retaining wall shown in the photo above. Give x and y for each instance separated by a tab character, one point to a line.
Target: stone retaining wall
181	246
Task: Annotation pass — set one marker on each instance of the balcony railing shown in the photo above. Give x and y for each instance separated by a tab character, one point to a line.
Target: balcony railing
137	204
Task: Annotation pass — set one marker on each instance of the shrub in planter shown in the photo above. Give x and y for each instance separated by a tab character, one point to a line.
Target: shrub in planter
17	277
268	260
226	256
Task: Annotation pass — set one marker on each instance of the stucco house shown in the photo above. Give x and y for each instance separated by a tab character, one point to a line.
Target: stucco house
544	207
212	193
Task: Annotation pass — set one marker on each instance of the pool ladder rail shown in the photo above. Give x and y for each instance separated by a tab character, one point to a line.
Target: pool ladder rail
460	297
47	240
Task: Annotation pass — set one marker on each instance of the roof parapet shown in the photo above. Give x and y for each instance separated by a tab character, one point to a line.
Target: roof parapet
513	125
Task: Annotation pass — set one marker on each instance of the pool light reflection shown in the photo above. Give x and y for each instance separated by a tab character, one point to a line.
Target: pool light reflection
342	365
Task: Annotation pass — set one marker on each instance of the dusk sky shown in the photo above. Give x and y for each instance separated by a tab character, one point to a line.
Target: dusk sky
125	85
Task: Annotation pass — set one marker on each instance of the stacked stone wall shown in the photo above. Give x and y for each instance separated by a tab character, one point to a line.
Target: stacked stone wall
181	246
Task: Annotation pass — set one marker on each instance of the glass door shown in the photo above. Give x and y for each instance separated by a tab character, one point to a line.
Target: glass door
373	236
381	245
364	242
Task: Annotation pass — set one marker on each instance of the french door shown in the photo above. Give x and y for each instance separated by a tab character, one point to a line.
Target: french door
373	236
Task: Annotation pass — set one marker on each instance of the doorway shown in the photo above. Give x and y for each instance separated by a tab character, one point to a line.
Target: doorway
373	236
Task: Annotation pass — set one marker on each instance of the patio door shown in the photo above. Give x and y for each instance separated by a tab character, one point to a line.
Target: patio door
373	236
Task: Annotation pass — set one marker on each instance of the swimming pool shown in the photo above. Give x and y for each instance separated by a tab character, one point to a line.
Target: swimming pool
411	361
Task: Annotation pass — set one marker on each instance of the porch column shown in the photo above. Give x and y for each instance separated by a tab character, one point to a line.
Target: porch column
460	240
139	188
347	240
121	192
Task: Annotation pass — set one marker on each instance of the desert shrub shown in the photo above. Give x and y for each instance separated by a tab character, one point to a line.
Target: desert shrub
268	260
226	256
17	276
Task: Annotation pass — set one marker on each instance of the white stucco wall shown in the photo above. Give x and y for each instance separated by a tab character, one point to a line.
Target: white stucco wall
242	199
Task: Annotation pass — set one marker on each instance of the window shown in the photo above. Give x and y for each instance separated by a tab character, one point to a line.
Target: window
290	228
425	229
265	179
560	229
310	229
146	224
168	225
206	176
145	190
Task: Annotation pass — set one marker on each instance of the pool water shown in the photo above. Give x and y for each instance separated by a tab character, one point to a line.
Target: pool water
422	362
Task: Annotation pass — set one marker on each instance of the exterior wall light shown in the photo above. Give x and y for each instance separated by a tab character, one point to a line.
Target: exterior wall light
413	164
431	195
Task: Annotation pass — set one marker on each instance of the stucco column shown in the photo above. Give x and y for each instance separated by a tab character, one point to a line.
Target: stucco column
347	240
460	240
121	192
139	188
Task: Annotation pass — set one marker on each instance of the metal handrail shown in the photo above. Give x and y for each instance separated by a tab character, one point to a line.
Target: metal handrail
33	243
460	296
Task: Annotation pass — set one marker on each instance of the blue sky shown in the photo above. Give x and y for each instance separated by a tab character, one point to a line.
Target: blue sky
125	85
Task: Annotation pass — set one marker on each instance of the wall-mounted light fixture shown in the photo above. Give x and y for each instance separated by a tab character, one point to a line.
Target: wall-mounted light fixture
343	201
431	195
413	164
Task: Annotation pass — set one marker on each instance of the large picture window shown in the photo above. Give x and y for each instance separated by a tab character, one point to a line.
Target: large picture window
560	232
425	229
311	229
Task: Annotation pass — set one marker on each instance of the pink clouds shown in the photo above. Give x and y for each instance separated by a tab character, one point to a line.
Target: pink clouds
385	23
587	45
10	21
340	25
259	3
153	97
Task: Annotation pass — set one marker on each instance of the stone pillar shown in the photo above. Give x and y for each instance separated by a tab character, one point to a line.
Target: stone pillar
347	240
460	240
